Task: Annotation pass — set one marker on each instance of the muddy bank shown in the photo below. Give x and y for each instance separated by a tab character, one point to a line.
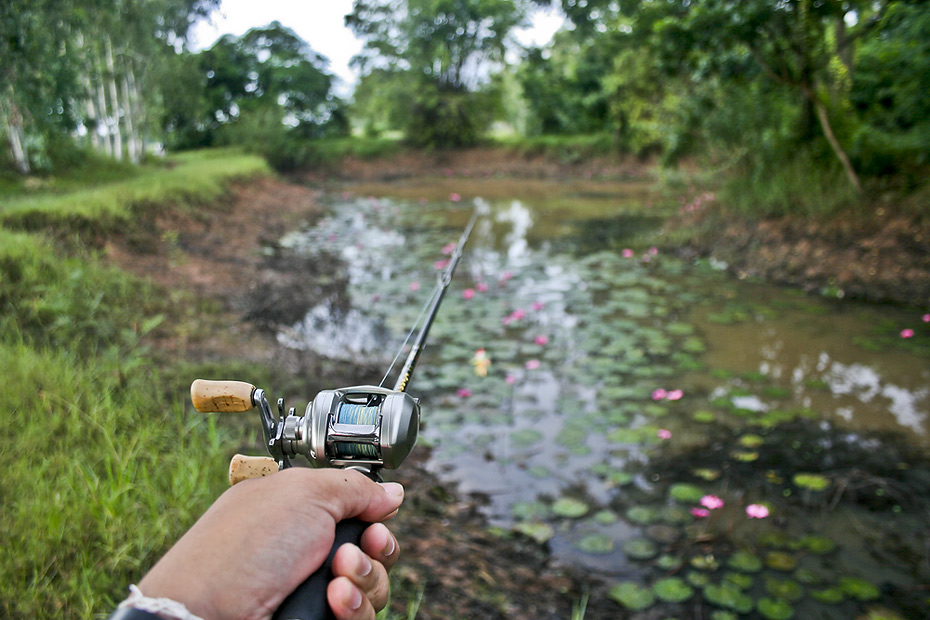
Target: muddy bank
876	258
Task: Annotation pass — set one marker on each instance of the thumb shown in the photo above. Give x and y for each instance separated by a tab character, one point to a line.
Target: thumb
347	493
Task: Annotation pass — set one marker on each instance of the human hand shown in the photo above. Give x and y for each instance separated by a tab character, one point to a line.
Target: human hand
234	563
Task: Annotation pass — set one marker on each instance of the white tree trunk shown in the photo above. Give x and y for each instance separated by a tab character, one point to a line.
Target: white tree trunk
116	118
18	140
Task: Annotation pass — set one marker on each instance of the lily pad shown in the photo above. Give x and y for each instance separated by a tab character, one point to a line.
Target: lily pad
745	562
686	493
775	609
640	549
729	596
779	560
672	590
705	473
698	579
817	544
827	595
527	511
705	562
632	596
740	580
704	416
784	589
642	515
751	440
605	517
720	614
570	508
858	588
814	482
596	543
540	532
669	562
526	437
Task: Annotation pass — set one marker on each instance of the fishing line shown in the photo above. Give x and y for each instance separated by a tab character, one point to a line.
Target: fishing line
413	329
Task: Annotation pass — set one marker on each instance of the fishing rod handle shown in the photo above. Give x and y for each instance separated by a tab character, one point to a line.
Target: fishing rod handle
308	601
221	396
247	467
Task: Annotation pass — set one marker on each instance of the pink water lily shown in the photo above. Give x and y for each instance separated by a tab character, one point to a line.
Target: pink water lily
464	392
700	513
756	511
482	287
510	379
541	340
454	197
675	395
907	333
659	394
711	502
441	264
532	364
468	293
538	305
926	318
664	433
414	286
447	249
653	250
627	253
506	276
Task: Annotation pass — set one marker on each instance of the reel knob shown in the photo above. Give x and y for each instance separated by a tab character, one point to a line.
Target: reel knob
243	467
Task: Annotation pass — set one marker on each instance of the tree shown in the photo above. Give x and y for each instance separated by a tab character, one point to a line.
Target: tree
444	49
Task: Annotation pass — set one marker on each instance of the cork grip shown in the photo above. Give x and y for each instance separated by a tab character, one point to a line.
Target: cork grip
221	396
247	467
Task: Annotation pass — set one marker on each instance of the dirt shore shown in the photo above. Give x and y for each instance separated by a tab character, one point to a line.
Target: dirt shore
222	260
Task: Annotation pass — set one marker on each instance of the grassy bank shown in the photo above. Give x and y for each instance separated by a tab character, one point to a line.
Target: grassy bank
105	463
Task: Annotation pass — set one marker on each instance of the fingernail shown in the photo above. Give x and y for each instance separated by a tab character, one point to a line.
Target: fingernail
394	489
364	565
390	547
354	600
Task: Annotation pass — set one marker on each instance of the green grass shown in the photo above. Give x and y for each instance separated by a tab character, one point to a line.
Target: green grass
192	178
566	149
105	463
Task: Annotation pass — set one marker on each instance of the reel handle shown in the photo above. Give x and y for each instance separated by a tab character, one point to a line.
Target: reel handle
247	467
308	601
221	396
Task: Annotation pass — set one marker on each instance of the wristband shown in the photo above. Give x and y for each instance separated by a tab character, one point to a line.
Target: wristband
138	607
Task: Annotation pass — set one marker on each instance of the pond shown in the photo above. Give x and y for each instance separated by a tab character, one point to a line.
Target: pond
698	441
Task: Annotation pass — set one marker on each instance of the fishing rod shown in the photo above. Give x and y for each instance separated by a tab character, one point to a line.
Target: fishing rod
365	427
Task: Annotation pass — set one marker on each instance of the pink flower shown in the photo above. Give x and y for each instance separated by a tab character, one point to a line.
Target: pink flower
414	286
711	502
926	318
455	197
468	293
659	394
664	433
700	513
538	305
510	379
441	264
541	340
464	392
506	321
653	250
907	333
482	287
506	276
532	364
447	249
627	253
675	395
756	511
517	314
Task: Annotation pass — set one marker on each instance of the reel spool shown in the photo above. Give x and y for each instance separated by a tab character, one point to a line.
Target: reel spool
362	427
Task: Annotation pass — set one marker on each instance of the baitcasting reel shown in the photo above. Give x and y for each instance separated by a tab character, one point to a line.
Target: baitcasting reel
362	427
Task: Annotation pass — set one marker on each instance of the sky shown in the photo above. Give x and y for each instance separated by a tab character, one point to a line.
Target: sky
321	24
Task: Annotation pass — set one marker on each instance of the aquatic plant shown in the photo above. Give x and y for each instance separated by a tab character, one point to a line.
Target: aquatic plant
632	595
570	508
672	590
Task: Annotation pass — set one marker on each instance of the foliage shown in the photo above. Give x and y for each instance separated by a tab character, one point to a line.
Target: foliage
439	51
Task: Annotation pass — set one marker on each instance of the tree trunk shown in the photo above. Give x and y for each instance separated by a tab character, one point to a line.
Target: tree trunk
17	139
824	119
114	100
